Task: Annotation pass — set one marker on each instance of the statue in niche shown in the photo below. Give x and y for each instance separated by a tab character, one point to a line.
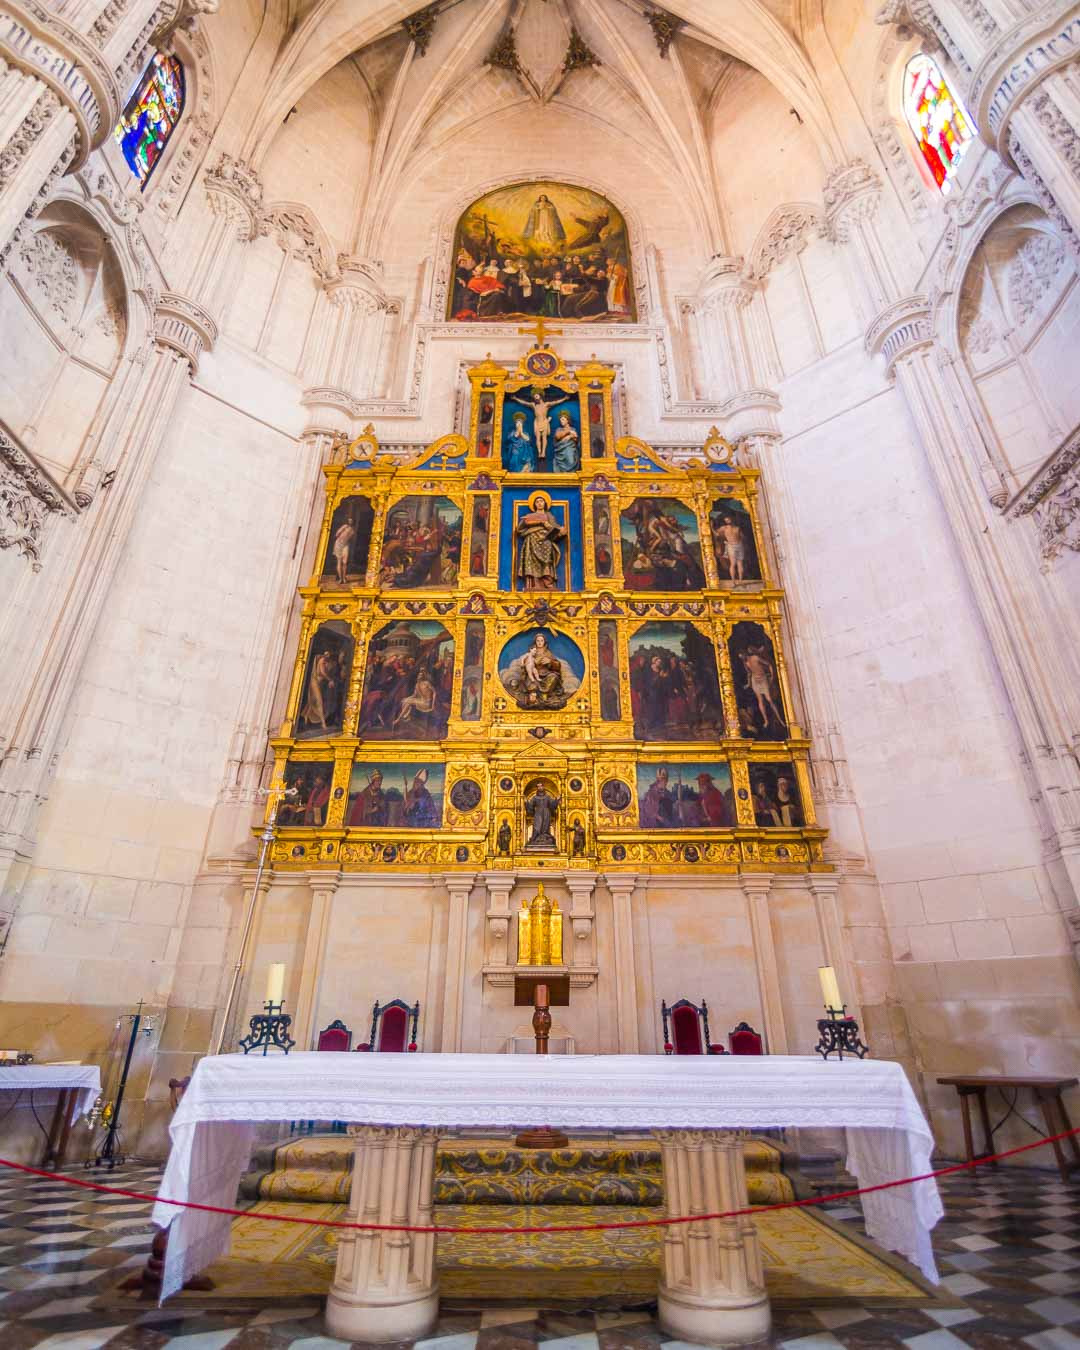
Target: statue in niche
502	839
541	409
539	554
542	808
577	840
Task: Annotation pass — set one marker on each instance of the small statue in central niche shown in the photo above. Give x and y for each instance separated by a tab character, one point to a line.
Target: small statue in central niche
539	554
542	808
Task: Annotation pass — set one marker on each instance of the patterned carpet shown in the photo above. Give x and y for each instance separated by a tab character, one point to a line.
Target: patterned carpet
1008	1247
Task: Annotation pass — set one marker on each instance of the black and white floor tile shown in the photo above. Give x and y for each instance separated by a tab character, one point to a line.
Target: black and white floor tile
1008	1248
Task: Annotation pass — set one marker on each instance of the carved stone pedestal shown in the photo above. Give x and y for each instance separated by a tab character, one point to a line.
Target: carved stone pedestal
712	1288
385	1287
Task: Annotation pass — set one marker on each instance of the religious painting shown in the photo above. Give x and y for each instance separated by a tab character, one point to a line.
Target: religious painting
607	650
151	116
734	546
775	792
403	796
542	248
347	548
540	541
479	536
408	682
661	546
326	681
603	549
597	441
541	431
485	425
757	684
472	672
674	687
421	544
308	805
541	669
685	797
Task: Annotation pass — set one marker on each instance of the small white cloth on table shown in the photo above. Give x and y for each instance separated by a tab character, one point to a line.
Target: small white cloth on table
213	1129
84	1078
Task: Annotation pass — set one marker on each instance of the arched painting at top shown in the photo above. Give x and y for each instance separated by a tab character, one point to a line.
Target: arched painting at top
544	248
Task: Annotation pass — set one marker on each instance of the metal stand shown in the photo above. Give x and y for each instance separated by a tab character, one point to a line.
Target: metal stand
269	1031
838	1033
109	1154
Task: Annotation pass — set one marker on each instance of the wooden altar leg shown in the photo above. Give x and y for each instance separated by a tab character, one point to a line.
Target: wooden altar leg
385	1287
712	1286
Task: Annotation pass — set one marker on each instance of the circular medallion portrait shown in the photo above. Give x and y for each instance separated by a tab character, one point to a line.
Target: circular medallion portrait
462	855
691	854
615	795
619	853
465	794
576	784
506	784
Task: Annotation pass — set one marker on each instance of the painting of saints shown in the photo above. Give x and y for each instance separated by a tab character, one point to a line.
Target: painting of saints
308	804
326	681
518	449
377	802
685	796
538	552
540	669
422	544
674	686
661	546
733	541
757	685
541	248
350	538
408	682
776	796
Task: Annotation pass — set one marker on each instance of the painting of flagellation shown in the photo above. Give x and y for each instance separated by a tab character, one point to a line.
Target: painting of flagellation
542	249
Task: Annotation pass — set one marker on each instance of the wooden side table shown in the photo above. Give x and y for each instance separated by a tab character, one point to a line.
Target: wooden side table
1046	1091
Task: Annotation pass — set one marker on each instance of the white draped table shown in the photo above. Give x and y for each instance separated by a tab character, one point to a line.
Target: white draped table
385	1286
77	1087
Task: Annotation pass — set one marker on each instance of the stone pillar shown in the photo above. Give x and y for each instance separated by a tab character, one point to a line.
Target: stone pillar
356	314
385	1287
621	889
307	999
1038	675
501	950
234	193
712	1286
834	949
581	886
756	888
852	192
459	886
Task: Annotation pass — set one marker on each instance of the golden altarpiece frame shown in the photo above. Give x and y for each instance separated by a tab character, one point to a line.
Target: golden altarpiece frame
541	645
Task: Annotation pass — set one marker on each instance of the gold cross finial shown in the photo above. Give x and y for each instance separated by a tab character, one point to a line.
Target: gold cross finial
539	330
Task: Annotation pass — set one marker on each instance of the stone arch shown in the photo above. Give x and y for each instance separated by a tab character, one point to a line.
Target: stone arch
890	131
787	230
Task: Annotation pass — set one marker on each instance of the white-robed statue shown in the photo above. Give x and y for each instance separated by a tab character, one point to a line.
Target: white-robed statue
544	227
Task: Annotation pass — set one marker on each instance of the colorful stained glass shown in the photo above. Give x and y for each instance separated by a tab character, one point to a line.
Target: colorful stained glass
937	119
151	115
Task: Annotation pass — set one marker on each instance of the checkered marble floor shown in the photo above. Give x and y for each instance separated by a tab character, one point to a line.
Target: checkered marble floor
1009	1248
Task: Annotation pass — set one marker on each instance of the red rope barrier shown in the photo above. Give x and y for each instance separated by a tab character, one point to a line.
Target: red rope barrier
554	1228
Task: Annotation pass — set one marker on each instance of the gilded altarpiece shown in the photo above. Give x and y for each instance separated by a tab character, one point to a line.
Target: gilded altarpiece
539	644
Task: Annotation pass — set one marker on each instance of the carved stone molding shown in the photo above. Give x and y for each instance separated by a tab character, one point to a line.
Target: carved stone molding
851	194
889	136
298	233
235	192
1013	67
919	16
787	231
49	264
900	329
331	412
1047	200
1060	130
185	327
28	496
34	39
1056	481
357	284
26	136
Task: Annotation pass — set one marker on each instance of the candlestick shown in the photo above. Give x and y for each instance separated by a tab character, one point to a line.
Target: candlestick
830	989
275	982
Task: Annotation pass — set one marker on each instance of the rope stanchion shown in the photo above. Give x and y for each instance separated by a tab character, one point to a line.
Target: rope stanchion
503	1231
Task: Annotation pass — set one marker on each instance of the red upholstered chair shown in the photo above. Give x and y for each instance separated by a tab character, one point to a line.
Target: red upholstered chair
744	1040
336	1036
393	1027
686	1029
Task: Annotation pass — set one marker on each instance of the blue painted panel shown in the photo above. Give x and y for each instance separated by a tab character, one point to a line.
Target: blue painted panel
566	508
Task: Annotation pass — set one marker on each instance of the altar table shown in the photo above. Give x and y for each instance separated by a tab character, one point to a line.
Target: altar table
385	1286
77	1087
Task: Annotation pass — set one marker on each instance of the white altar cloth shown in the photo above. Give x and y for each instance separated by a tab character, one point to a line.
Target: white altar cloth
213	1129
84	1078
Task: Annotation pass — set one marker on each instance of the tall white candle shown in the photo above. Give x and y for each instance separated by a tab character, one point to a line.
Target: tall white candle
275	982
830	990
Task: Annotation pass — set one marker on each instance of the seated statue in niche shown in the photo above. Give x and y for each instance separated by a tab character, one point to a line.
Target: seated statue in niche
538	681
539	554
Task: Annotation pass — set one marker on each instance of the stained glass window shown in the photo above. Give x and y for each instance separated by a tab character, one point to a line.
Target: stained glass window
934	113
151	115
